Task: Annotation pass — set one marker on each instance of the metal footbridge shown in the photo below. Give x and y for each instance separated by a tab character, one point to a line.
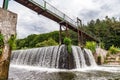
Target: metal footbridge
49	11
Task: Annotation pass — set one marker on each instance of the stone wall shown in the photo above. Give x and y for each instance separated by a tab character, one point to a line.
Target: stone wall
101	52
8	21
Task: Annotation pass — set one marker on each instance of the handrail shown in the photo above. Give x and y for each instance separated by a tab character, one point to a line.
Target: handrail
60	15
54	11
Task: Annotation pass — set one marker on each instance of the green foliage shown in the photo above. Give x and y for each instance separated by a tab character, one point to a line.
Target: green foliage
12	42
99	57
99	60
102	45
113	50
107	30
1	51
67	42
32	40
1	43
1	40
91	45
49	42
69	48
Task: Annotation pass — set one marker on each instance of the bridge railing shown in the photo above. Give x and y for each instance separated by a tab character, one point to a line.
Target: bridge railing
55	11
71	21
38	2
51	9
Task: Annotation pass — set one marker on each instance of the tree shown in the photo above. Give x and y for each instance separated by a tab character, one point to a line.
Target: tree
107	30
91	45
49	42
67	42
12	42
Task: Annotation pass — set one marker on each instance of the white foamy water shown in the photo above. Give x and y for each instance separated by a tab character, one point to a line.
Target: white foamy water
43	64
48	57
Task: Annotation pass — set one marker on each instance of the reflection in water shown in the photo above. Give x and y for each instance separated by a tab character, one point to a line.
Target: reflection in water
66	75
34	73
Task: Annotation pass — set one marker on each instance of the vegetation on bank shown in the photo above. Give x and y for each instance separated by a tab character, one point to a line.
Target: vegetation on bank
113	50
91	45
1	43
67	42
12	42
49	42
107	30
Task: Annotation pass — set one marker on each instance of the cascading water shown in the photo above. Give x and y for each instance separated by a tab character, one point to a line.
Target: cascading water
38	64
54	57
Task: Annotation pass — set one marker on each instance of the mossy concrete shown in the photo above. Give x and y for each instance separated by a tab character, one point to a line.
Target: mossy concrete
8	21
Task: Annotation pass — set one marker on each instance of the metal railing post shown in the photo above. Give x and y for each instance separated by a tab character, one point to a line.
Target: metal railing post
45	4
5	4
67	34
63	16
79	23
60	35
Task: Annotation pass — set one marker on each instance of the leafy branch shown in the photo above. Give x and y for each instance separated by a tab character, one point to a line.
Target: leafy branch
12	42
67	42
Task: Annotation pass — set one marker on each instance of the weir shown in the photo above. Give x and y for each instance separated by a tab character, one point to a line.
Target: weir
54	57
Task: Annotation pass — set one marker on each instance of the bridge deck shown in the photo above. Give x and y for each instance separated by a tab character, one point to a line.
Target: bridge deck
47	10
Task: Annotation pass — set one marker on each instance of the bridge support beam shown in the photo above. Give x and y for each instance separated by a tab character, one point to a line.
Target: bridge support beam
60	35
67	34
80	33
82	40
78	38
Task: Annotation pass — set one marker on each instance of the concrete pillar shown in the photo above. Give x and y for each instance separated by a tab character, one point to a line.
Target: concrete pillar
8	22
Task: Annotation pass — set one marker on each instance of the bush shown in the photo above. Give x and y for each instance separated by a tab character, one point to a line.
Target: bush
91	45
99	60
49	42
0	51
1	40
12	42
67	42
1	43
113	50
102	45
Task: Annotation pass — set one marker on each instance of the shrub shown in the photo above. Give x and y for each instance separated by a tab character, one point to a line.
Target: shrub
67	42
1	40
113	50
1	43
102	45
99	59
12	42
91	45
49	42
0	51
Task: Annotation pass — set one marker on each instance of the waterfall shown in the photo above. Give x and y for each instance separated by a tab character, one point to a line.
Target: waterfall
91	58
54	57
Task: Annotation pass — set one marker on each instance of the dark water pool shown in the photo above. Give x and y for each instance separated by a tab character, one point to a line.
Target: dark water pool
33	73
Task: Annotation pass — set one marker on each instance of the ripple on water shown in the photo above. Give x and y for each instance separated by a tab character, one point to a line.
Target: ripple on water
35	73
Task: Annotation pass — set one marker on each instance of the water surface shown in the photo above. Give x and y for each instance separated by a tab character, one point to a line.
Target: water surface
36	73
